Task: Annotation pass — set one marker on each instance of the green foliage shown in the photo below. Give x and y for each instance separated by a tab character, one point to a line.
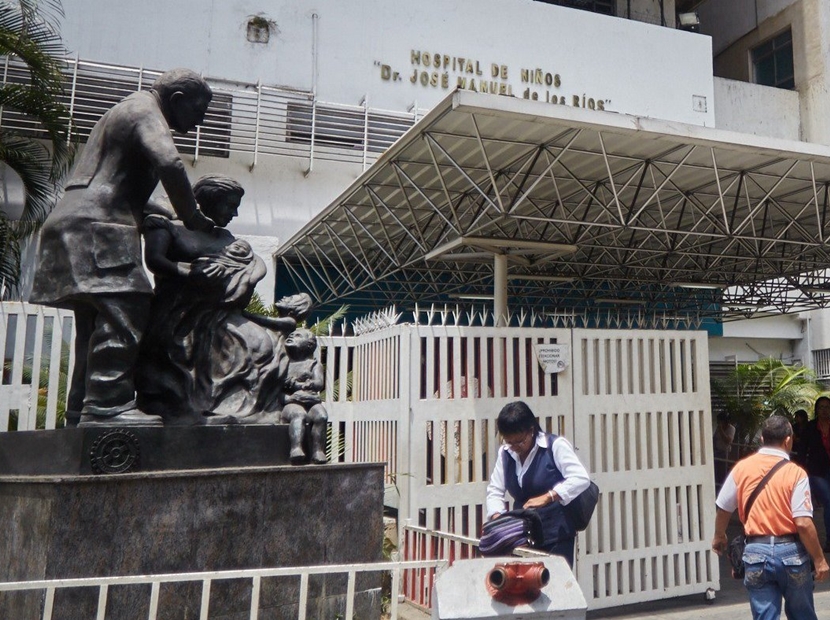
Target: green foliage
335	389
42	390
321	327
334	449
388	549
753	392
28	31
256	306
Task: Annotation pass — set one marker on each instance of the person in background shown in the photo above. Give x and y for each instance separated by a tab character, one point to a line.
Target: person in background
780	535
539	471
816	439
799	453
722	440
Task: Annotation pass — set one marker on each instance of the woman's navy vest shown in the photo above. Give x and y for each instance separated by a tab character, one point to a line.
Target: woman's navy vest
540	477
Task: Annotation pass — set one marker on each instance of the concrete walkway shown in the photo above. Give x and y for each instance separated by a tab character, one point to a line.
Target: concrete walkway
731	603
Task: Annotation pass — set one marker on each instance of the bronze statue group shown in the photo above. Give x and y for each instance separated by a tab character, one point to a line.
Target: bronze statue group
184	352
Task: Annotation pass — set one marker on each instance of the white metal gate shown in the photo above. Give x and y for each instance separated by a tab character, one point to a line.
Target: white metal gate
635	404
464	377
643	424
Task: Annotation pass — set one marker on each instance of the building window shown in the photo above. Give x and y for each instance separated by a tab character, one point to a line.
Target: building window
606	7
821	363
332	126
772	62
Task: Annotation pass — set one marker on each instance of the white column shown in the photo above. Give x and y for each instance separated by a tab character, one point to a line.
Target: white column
500	289
812	69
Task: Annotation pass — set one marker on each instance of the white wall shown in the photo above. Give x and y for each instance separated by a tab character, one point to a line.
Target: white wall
629	66
279	197
819	328
759	110
814	86
751	340
784	326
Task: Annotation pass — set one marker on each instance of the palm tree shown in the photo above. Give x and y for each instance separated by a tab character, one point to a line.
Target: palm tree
29	34
790	388
753	392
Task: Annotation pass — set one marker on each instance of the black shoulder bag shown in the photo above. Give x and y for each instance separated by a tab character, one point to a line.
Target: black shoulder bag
737	544
581	508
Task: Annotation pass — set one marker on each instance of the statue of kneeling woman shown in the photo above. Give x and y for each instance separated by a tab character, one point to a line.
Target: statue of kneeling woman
204	359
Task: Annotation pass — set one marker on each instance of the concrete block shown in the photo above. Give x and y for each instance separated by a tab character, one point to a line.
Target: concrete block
461	593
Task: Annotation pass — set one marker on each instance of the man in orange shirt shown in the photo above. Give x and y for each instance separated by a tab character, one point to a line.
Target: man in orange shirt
781	536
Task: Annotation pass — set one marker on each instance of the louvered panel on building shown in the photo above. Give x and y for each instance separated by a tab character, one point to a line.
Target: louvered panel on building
241	118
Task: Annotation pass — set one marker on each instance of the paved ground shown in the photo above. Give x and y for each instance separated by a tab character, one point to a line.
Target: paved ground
731	603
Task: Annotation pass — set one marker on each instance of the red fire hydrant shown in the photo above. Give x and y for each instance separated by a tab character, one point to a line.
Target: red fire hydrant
515	583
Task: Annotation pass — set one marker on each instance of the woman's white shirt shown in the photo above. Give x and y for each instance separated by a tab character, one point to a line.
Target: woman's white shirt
576	478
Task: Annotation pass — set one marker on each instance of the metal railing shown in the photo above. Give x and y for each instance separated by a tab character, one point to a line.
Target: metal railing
426	552
103	584
243	118
424	545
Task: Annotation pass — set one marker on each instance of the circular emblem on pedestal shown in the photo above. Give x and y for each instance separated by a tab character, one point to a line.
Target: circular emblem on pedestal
114	452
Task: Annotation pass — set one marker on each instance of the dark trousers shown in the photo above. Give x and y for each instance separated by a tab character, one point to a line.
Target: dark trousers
108	330
565	548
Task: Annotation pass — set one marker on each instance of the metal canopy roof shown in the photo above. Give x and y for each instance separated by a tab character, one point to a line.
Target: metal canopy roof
593	210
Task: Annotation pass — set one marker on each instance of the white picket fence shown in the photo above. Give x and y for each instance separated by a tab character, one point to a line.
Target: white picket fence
423	399
36	344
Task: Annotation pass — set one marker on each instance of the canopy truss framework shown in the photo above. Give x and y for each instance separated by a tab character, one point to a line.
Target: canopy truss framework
589	208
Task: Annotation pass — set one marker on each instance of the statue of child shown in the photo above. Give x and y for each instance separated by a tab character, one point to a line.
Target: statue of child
303	406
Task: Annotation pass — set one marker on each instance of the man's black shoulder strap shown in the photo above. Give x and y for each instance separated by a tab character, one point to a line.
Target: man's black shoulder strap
761	486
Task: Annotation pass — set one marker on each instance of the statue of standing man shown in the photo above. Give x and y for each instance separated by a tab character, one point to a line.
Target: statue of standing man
90	252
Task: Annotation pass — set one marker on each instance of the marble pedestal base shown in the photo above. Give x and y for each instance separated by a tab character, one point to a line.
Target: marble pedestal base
188	521
117	450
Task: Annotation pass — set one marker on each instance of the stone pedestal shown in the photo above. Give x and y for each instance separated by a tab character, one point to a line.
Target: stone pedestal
66	526
109	450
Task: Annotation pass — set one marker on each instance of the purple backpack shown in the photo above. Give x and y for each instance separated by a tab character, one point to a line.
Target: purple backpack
516	528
